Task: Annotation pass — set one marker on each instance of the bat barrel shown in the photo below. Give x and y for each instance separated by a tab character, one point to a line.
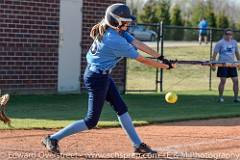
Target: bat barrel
208	63
190	62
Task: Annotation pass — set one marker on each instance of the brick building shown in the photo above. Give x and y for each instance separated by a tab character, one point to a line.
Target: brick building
43	44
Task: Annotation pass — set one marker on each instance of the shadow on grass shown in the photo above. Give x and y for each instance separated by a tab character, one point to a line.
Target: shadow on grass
146	108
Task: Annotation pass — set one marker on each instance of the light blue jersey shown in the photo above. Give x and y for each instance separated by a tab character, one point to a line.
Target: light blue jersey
226	50
104	54
203	25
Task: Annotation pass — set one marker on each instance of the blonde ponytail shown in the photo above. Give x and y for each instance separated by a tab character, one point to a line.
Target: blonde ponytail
98	30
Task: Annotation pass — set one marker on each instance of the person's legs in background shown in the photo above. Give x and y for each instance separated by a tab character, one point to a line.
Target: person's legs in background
200	39
206	39
235	88
221	88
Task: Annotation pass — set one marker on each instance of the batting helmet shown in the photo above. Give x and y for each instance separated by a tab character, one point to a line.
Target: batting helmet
116	14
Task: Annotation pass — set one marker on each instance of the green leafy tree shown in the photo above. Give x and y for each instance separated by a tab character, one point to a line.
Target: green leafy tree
238	25
155	11
198	12
163	11
222	21
232	24
176	19
211	18
148	14
210	15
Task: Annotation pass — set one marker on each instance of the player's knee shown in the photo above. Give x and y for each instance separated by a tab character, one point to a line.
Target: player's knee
235	80
91	122
222	82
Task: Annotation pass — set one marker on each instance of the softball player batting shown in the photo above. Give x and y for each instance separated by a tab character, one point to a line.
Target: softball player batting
111	43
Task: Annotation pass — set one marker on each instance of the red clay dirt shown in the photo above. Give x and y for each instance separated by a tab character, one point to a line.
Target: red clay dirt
207	139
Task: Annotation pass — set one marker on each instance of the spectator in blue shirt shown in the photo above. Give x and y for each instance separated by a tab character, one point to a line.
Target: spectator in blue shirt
203	25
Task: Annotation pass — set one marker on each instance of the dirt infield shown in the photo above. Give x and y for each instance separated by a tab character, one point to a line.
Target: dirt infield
208	139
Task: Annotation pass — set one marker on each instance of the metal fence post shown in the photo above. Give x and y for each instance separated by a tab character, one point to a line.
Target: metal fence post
161	39
158	44
210	57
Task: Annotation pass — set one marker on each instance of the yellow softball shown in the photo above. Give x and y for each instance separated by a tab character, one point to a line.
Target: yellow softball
171	97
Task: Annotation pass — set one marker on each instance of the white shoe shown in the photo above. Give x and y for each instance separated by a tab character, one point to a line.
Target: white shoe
4	99
221	100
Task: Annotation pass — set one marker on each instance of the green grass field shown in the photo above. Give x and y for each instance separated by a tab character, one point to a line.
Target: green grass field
190	82
56	111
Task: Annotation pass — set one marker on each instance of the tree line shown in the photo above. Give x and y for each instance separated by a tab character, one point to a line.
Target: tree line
218	13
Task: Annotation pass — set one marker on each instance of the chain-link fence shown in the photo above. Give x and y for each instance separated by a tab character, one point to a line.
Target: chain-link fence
175	42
